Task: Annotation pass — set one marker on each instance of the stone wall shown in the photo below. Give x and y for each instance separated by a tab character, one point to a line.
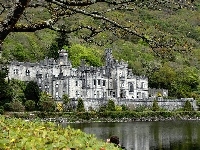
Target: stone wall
169	104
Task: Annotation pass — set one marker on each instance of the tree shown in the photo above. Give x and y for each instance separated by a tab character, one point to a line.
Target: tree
66	102
187	106
46	102
80	106
60	41
57	10
32	92
78	52
111	105
17	90
5	95
163	77
155	106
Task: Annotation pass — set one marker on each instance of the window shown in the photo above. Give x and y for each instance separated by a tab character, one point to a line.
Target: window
122	83
56	94
143	95
130	84
27	73
46	88
142	85
77	94
84	83
47	75
76	83
64	85
57	85
99	81
94	82
113	94
39	81
16	71
139	95
104	82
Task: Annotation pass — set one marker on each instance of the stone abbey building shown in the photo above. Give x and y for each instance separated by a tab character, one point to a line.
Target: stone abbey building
95	85
58	77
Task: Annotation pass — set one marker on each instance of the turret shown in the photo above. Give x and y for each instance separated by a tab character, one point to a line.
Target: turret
109	61
63	57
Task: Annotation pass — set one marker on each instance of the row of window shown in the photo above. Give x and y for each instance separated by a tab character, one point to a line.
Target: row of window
95	82
98	82
16	71
98	94
27	73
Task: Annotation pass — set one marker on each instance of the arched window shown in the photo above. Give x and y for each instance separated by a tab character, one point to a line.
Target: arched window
131	89
16	71
27	72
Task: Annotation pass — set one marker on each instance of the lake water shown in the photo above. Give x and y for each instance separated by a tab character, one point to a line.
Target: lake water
166	135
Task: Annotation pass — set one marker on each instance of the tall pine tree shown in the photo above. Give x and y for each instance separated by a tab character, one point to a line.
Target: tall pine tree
61	40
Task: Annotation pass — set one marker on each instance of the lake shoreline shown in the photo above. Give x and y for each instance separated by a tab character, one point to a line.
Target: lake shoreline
65	120
87	117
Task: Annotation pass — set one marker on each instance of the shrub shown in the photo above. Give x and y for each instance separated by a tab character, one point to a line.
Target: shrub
102	108
7	106
140	108
118	108
111	105
17	106
30	105
124	107
1	111
187	106
45	135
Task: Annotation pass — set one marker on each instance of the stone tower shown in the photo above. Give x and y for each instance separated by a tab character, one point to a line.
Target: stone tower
108	62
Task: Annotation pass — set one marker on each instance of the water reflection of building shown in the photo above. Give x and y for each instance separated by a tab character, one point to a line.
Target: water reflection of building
149	135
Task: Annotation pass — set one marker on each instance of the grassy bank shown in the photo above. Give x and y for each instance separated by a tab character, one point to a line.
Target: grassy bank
109	116
34	135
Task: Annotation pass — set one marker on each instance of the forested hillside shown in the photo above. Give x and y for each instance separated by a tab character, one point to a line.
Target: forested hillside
174	65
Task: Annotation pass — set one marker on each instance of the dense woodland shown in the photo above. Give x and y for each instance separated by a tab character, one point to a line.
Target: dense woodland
165	46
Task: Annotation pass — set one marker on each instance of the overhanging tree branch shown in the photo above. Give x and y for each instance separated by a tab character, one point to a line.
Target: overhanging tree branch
66	8
12	17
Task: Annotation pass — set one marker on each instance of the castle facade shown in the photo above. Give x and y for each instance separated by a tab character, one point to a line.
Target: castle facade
57	77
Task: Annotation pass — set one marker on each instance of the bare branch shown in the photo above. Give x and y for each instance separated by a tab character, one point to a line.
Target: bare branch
66	8
115	24
9	22
3	7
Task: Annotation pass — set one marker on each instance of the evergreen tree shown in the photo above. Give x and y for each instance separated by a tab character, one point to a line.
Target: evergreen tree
66	102
5	94
155	106
111	105
80	106
187	106
60	41
32	92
